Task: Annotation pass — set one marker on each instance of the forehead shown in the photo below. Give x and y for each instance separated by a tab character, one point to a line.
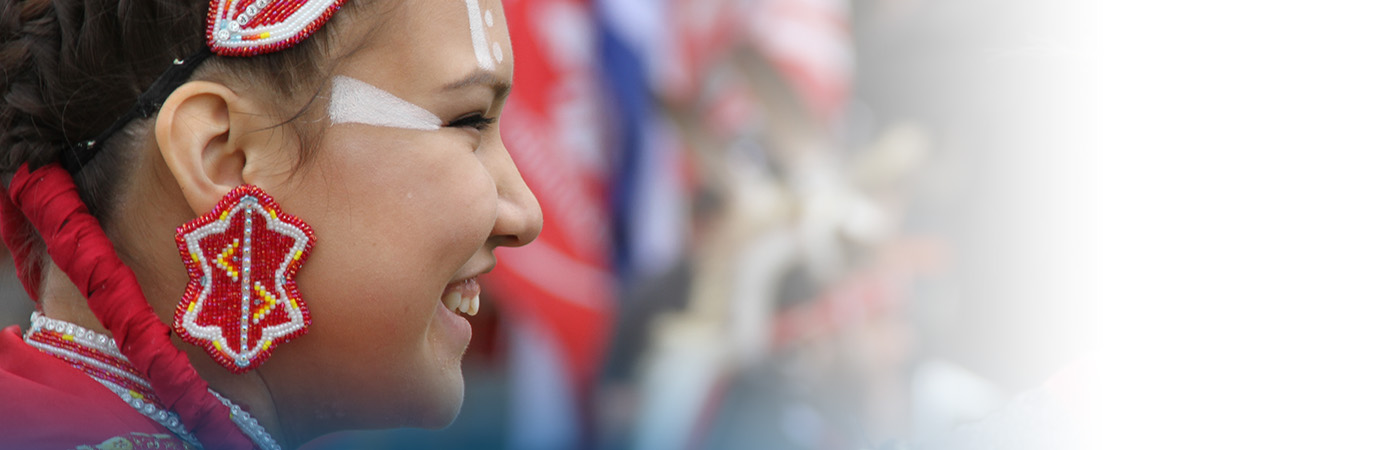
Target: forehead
427	41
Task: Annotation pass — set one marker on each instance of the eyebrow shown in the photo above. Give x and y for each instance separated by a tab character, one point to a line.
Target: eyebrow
482	78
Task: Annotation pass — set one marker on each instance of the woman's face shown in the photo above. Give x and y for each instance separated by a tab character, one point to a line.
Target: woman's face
404	213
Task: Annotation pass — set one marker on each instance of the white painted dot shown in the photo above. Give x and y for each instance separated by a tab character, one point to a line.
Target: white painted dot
490	17
478	30
496	50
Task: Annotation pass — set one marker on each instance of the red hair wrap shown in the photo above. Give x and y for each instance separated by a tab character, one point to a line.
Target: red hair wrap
48	199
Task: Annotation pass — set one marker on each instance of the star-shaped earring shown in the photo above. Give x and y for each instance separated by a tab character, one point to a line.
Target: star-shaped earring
242	299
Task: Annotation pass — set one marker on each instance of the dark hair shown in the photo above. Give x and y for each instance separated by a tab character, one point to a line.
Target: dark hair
70	68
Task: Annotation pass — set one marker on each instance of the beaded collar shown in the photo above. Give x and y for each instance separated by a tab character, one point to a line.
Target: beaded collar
98	357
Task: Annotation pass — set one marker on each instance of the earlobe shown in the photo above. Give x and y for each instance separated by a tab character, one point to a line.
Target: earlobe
193	131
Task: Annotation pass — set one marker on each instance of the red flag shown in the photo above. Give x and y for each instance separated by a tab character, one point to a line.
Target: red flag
810	43
562	281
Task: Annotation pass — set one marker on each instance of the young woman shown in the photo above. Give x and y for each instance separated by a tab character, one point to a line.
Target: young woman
276	213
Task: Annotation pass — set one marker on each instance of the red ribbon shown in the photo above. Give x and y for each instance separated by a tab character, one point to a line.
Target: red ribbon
49	200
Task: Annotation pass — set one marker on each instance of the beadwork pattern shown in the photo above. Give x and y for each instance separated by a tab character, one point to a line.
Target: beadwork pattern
242	299
248	424
98	357
140	441
255	27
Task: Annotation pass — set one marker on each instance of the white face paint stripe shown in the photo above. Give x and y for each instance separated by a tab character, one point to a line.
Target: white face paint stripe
483	53
355	101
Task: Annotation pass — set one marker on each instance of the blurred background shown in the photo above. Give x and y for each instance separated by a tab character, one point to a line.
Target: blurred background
942	224
779	224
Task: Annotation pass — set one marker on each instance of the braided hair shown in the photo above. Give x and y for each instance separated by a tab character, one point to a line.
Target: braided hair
70	68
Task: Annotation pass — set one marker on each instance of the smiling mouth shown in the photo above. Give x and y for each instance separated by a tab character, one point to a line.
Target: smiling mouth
463	297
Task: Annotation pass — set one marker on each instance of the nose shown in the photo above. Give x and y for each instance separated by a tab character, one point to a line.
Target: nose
518	215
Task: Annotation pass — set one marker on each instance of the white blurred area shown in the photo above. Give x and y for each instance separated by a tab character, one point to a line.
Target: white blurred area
1242	229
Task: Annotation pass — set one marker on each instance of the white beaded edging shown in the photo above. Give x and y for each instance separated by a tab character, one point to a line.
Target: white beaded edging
249	425
243	353
106	345
229	31
246	422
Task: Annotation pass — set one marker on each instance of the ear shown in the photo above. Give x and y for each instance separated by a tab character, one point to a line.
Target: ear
206	134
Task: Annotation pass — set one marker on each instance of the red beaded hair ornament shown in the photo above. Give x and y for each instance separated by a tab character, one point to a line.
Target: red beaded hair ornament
242	300
255	27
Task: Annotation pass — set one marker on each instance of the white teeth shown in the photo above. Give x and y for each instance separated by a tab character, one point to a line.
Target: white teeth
453	300
472	306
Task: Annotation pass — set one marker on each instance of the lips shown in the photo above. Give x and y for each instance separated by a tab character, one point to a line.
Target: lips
463	297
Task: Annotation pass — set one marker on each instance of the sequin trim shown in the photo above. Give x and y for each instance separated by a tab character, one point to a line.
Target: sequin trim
249	425
98	357
139	441
40	335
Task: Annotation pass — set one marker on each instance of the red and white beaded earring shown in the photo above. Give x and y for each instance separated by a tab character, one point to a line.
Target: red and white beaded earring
242	299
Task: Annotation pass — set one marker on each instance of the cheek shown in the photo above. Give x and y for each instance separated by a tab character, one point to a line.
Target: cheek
398	217
391	223
396	214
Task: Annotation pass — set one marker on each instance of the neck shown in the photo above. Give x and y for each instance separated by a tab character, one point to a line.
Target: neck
61	300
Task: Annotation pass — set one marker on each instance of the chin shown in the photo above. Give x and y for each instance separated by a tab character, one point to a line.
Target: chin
441	417
441	410
444	419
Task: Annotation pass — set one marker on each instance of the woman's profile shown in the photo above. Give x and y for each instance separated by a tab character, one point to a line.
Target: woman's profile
248	223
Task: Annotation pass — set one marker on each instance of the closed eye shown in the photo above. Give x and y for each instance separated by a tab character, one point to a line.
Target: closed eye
477	121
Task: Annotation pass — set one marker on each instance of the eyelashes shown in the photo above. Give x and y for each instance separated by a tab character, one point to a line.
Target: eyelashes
475	121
